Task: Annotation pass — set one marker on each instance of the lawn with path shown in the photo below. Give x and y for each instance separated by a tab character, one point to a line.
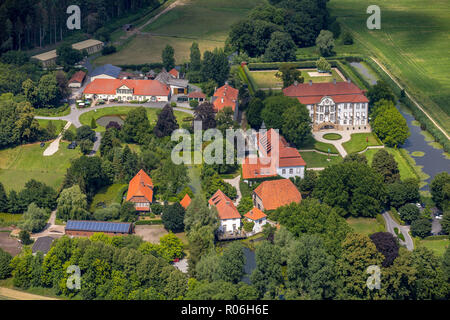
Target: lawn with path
206	22
122	111
20	164
360	141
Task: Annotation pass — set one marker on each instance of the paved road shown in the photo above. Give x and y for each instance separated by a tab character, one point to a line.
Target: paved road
51	229
391	224
75	113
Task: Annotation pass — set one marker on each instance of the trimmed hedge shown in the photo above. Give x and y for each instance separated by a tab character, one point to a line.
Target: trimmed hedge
440	237
135	67
148	222
120	193
245	75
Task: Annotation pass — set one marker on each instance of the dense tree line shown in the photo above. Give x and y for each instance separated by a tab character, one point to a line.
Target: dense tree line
274	30
28	23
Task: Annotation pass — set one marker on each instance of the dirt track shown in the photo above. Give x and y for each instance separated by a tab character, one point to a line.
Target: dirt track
19	295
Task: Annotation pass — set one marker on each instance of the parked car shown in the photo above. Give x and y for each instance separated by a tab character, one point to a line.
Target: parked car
42	144
72	145
439	217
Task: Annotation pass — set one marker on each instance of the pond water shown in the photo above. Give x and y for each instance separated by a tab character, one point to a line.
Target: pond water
103	121
432	159
250	264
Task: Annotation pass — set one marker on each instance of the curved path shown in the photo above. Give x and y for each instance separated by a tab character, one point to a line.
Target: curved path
75	113
391	224
346	136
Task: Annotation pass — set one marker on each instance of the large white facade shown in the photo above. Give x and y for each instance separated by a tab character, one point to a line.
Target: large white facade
343	114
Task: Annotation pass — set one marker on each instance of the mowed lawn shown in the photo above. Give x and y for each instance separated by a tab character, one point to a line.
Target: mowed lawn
20	164
108	195
318	160
365	226
205	21
413	43
152	115
438	246
267	79
406	171
360	141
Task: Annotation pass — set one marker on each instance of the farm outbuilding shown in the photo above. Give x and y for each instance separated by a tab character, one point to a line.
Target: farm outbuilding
88	228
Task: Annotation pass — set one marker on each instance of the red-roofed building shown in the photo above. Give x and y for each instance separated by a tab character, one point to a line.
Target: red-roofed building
337	105
77	79
275	157
272	194
140	191
258	217
230	218
127	90
197	95
226	96
186	201
175	73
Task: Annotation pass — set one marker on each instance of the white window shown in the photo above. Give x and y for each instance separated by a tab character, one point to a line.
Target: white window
291	171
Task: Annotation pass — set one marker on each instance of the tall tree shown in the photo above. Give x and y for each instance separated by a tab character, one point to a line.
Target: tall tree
195	58
384	163
387	245
389	124
289	74
4	204
231	263
215	66
168	57
166	123
281	47
358	253
173	217
325	43
297	125
440	190
72	204
205	113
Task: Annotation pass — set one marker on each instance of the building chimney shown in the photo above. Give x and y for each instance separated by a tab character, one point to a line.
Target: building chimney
222	100
349	81
310	82
334	80
295	83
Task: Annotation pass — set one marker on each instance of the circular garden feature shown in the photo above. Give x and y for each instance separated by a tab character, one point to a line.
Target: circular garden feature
332	136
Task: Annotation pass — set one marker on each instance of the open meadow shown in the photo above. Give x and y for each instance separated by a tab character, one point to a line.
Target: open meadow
206	22
20	164
413	43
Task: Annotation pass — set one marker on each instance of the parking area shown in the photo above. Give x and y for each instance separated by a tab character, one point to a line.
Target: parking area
9	244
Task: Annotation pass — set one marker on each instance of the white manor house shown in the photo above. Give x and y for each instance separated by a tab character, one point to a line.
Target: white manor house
336	105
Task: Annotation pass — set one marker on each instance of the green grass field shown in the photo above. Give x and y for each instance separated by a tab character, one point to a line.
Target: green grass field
438	246
365	226
22	163
318	160
59	124
152	115
9	218
108	195
358	142
206	22
406	170
320	146
267	79
413	43
332	136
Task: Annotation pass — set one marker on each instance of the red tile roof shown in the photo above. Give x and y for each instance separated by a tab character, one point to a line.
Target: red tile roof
197	94
140	87
286	157
226	96
256	168
313	93
174	72
186	201
140	186
78	77
224	205
277	193
255	214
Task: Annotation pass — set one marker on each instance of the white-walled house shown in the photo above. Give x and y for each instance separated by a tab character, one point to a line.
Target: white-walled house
258	217
274	158
337	105
127	90
230	219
